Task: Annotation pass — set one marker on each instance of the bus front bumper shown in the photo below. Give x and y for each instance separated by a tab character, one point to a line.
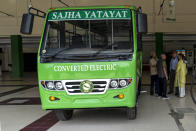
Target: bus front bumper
107	100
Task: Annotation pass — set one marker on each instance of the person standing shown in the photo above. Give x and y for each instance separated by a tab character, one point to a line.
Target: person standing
153	72
173	64
163	77
180	79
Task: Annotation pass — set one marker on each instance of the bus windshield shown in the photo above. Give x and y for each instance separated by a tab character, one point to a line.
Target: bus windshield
87	38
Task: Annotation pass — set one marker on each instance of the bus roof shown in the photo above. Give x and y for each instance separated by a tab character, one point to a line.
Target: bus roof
92	7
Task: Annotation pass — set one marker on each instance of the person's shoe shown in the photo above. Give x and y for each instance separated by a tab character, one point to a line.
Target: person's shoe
170	92
165	98
158	96
176	94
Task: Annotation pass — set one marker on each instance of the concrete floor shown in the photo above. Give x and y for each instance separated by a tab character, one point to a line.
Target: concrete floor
154	114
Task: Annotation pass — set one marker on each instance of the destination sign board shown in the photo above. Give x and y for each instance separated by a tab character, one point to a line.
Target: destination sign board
61	15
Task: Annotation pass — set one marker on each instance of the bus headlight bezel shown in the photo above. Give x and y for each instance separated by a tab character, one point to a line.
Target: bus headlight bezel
53	85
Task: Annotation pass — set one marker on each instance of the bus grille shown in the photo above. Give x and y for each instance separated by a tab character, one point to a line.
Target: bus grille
73	87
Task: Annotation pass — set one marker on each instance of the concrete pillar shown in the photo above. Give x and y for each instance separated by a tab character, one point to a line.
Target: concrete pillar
17	56
159	43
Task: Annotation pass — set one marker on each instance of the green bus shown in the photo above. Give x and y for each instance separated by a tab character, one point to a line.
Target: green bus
89	57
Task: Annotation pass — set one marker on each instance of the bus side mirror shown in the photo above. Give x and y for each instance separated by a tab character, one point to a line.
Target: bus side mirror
142	25
27	23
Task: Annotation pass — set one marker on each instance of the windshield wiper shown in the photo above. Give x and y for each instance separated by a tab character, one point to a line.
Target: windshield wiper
53	55
99	51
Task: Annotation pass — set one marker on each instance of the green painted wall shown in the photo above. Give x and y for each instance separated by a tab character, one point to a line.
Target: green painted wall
159	43
17	56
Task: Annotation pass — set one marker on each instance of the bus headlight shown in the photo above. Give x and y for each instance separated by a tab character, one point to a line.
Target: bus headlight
58	85
120	83
123	83
114	84
53	85
50	85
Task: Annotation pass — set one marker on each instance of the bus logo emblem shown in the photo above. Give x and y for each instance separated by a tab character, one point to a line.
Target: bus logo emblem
86	86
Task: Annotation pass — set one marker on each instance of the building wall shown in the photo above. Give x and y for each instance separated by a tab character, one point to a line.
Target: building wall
185	14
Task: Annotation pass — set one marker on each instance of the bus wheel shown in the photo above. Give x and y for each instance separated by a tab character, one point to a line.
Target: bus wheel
64	115
131	113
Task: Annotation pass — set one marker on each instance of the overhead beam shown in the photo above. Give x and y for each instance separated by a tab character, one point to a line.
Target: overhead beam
2	12
63	3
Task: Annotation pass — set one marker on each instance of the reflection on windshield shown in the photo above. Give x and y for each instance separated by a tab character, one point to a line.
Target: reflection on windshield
88	37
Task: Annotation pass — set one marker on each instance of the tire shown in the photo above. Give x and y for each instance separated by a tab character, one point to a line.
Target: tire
64	115
132	113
